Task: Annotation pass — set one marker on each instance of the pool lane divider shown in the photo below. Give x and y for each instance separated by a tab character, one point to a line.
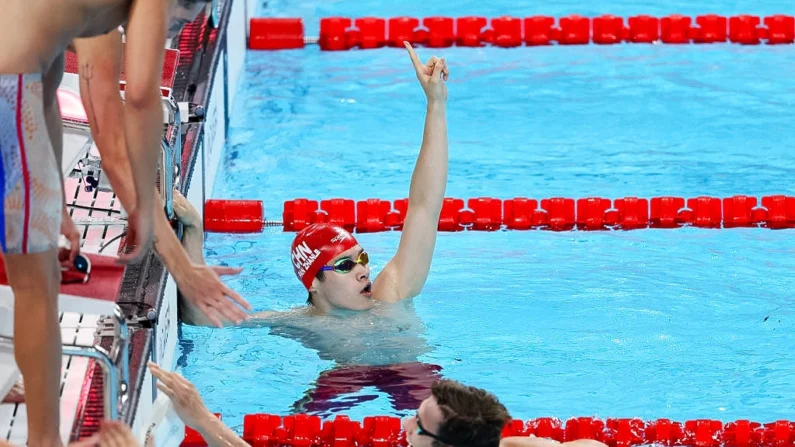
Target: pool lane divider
493	214
301	430
344	33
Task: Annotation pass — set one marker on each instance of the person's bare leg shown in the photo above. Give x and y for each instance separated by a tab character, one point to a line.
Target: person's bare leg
52	113
35	279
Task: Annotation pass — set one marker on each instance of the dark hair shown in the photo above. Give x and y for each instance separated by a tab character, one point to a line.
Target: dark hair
472	417
189	3
320	277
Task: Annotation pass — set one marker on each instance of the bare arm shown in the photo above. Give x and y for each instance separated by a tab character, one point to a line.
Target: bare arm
217	434
100	67
99	62
404	276
191	409
143	117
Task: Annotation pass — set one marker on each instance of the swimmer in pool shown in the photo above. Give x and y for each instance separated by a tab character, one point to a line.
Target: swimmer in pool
33	37
352	319
450	414
453	414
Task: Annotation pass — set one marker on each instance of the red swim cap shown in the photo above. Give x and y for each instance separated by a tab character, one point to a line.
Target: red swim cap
316	245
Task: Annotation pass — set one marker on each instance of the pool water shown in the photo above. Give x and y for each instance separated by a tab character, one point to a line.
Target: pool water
680	324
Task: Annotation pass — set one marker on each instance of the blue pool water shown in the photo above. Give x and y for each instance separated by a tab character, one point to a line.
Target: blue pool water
676	324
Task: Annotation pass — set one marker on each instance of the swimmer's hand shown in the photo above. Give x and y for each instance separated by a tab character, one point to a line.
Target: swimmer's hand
187	402
185	212
431	75
140	232
201	286
192	411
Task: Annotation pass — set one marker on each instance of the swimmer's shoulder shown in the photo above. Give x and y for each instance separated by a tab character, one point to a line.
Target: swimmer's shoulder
292	317
385	287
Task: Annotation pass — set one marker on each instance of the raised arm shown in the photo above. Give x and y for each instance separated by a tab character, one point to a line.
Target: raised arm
404	276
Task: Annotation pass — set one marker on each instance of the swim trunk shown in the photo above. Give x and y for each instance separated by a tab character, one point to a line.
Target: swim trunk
406	384
30	184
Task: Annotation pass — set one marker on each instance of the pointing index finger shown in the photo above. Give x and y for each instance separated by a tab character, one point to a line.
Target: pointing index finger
414	59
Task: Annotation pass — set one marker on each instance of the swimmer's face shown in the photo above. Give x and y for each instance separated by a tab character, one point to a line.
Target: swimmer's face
424	423
352	290
182	13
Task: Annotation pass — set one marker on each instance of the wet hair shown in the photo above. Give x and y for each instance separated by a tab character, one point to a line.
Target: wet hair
321	276
472	417
190	3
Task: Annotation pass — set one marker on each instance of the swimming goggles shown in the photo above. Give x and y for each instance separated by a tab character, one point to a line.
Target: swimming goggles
345	265
421	431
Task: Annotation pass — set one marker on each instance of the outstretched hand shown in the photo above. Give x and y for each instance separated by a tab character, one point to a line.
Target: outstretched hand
203	288
200	284
183	394
431	75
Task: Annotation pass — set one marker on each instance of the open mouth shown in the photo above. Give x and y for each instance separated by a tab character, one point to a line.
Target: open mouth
368	290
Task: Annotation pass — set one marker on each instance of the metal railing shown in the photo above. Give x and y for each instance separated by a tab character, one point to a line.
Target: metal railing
114	363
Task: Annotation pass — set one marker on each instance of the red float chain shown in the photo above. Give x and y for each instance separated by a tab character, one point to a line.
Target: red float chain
342	33
491	214
266	430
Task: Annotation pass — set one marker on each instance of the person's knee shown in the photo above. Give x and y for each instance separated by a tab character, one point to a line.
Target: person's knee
34	274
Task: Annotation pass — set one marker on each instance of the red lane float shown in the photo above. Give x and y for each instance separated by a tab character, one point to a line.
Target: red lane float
609	29
267	430
440	32
644	29
470	31
233	216
507	32
371	33
540	30
341	33
402	29
520	213
272	33
573	30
